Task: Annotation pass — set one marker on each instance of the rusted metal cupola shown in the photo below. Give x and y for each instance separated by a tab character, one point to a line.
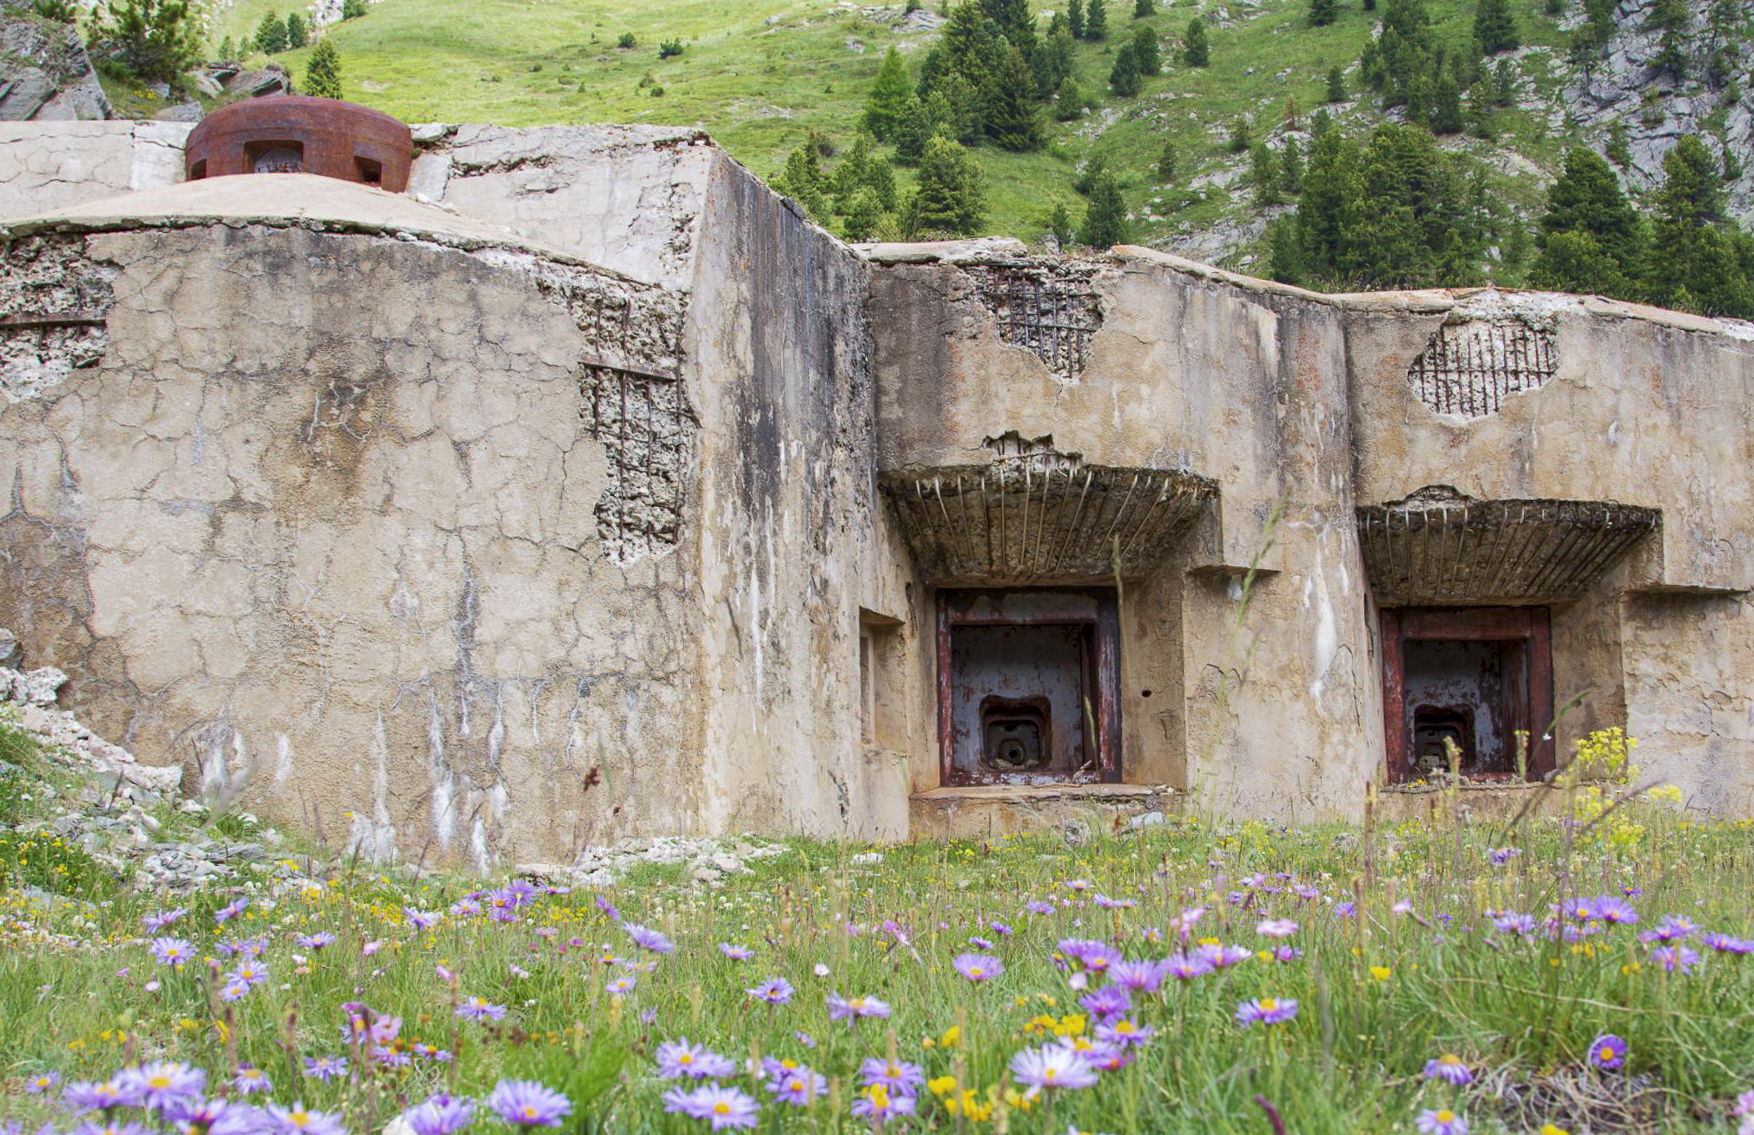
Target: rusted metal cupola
299	134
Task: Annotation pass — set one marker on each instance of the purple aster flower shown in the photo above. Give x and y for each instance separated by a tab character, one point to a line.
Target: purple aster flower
899	1076
325	1068
40	1083
1726	944
985	945
648	939
621	985
1345	909
1673	958
248	947
1502	855
796	1084
161	1082
1441	1121
1276	928
299	1120
250	1080
249	972
1185	968
1448	1067
480	1009
1036	906
421	919
1266	1011
679	1058
721	1107
1124	1033
607	907
156	922
527	1103
234	990
315	941
466	907
440	1115
230	911
1000	929
775	991
94	1127
1671	929
1090	954
1223	957
176	952
1305	891
1113	904
1613	909
1510	922
101	1095
1608	1051
879	1104
217	1117
1109	1001
734	952
1138	977
850	1009
1051	1066
978	967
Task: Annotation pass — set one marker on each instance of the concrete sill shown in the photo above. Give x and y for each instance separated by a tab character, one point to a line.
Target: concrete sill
1034	793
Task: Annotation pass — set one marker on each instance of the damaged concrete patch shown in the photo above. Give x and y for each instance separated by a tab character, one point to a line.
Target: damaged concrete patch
1471	365
647	429
1048	307
54	300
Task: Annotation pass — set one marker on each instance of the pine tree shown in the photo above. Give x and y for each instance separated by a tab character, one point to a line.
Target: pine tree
1069	101
1504	83
1124	75
1446	106
297	34
1060	224
1479	112
1144	8
802	180
1670	19
1015	21
1146	52
271	34
1096	20
323	71
950	197
1011	115
1327	210
912	131
227	50
1284	252
1053	63
1323	12
888	98
1166	162
1196	52
860	215
1336	85
155	39
1692	192
1494	29
1240	140
1264	174
1105	221
1291	167
1075	18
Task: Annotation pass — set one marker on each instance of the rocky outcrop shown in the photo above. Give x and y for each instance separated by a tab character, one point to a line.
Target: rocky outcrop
45	72
1627	83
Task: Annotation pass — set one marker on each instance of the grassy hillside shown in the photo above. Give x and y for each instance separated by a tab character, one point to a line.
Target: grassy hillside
760	74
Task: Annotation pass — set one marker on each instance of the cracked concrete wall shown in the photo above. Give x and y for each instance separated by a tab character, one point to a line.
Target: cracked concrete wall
51	165
320	525
793	544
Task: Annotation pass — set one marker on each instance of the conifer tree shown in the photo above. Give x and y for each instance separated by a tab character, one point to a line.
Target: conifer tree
1336	85
861	214
297	34
1053	62
1284	252
1323	12
1075	18
950	197
1015	21
1504	83
1264	173
1589	236
1069	101
888	99
1010	114
1670	18
154	39
1478	112
1144	8
802	180
1096	20
1330	201
1105	221
271	34
1446	106
912	131
1166	162
1240	140
1291	167
227	49
323	71
1146	53
1494	29
1124	75
1196	52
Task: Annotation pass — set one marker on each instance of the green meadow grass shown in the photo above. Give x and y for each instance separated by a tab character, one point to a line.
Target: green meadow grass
1416	971
760	88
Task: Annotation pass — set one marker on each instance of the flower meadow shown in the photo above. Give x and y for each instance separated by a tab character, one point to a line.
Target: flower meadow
1186	977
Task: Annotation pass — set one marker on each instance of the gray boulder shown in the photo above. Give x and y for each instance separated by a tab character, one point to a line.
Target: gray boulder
45	73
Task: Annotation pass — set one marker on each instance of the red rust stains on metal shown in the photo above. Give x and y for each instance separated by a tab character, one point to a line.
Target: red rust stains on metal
1474	676
297	134
1028	686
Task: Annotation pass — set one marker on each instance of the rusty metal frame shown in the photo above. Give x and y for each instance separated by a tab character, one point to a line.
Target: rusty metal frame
1096	608
1531	626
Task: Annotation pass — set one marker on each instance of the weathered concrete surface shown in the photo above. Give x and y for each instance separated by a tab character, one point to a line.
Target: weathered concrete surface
1077	812
51	165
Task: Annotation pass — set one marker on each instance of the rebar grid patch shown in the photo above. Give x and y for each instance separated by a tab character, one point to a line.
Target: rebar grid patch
1052	312
1469	368
647	431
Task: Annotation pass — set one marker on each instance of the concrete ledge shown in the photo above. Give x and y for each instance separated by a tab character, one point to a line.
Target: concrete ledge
984	811
1491	803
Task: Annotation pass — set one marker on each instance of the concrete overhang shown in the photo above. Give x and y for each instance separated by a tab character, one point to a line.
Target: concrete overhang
1043	519
1440	548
